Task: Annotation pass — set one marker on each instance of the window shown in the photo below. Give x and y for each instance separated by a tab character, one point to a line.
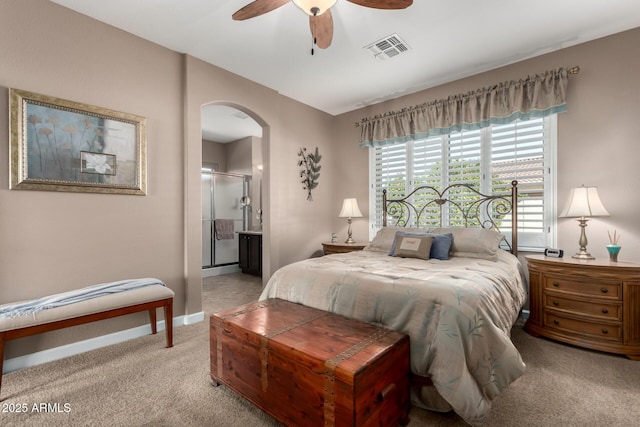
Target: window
487	159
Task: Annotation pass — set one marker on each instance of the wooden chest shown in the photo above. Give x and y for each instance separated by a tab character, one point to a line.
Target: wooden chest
308	367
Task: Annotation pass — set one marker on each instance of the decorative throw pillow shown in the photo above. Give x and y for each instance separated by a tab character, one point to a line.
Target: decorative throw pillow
480	243
384	238
412	246
439	247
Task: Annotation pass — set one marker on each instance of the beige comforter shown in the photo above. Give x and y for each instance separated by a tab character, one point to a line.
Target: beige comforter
458	314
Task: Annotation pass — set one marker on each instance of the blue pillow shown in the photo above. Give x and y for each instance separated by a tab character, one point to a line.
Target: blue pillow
439	248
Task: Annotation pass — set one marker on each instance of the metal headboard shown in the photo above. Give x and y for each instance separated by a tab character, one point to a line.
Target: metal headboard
477	209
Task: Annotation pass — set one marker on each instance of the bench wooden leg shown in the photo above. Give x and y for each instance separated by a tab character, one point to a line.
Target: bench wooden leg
168	320
152	318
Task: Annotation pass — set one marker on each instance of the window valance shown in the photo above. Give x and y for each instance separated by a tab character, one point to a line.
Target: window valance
535	96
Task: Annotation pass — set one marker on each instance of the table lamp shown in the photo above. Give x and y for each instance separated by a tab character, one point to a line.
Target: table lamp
350	210
583	203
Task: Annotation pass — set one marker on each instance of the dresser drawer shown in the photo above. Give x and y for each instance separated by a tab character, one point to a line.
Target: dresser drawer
602	331
605	289
595	308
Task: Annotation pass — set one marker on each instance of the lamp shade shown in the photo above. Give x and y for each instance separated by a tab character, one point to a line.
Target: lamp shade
350	209
583	202
308	5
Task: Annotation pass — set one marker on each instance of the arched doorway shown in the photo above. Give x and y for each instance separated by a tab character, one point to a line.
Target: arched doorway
232	183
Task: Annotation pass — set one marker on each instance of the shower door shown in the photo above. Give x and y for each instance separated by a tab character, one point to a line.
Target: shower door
221	199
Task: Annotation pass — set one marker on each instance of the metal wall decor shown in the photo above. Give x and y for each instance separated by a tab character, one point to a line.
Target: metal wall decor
310	163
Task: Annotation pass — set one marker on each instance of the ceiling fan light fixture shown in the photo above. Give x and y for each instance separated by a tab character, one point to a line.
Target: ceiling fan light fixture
319	6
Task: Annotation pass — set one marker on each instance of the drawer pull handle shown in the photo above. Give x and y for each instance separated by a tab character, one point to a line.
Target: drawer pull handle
605	311
555	302
556	284
555	322
384	394
605	290
604	331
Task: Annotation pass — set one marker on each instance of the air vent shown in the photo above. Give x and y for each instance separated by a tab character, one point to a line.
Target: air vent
387	47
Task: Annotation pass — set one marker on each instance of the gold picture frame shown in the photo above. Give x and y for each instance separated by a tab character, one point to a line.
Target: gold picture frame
61	145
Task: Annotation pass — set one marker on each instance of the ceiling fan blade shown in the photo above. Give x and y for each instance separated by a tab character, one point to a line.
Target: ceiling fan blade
257	8
322	29
383	4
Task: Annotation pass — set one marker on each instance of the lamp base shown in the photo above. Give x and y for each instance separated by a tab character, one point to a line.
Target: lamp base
582	243
583	255
349	238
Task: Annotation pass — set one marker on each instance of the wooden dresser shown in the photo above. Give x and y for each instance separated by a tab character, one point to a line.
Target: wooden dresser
593	304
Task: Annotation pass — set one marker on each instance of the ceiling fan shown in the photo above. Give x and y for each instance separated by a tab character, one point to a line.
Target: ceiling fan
319	12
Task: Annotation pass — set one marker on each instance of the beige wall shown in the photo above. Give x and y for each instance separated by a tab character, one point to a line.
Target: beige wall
53	242
239	156
598	137
214	152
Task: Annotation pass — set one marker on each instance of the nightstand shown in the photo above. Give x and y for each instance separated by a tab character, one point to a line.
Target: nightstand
589	303
341	248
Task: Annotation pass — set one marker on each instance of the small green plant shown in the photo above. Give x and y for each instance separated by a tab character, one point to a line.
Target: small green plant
310	172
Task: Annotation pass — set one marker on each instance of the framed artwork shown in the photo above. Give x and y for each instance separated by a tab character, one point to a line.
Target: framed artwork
60	145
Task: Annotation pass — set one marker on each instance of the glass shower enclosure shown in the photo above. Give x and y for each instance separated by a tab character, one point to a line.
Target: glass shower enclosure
224	197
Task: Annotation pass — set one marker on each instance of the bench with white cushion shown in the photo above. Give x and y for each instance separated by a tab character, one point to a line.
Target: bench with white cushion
147	298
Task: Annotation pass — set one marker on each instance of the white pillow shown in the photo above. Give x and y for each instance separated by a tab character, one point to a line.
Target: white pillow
383	240
480	243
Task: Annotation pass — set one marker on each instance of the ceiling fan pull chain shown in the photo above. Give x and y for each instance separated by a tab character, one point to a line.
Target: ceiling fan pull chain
314	10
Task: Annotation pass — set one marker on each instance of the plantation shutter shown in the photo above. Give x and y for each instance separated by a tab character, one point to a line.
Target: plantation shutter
463	167
486	159
390	174
427	167
518	152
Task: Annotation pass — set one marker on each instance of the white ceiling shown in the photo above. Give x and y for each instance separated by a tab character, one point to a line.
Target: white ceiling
448	40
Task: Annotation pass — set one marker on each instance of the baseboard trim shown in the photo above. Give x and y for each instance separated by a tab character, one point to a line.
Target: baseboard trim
193	318
218	271
40	357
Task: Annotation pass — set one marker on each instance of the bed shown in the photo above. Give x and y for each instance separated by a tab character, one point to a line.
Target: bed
457	302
